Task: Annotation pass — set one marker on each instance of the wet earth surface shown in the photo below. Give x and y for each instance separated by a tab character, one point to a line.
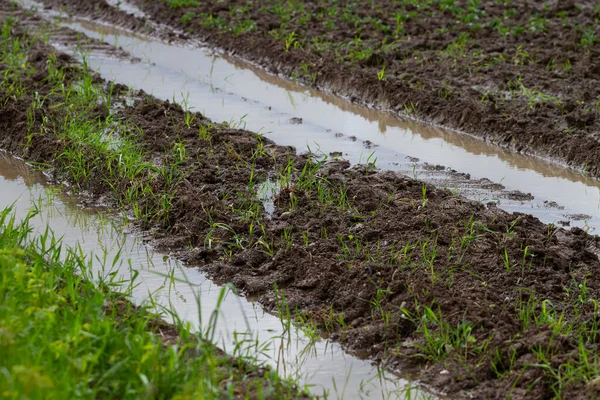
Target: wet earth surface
520	75
460	173
364	254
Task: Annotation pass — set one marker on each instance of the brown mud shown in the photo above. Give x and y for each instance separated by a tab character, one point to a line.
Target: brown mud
532	88
367	255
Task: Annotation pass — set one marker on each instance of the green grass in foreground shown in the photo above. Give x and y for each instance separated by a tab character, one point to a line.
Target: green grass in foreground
64	336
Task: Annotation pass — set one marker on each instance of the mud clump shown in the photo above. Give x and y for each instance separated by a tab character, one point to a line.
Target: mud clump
517	195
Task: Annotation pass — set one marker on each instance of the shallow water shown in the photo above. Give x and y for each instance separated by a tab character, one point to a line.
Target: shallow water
103	238
225	89
129	8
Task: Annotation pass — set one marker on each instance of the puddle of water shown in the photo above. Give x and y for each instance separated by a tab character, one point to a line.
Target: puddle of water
266	193
227	90
320	363
128	8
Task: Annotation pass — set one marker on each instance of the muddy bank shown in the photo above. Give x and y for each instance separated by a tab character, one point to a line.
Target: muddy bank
238	376
479	301
132	348
522	76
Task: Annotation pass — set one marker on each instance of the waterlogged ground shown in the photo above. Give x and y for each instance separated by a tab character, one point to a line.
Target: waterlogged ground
477	301
523	75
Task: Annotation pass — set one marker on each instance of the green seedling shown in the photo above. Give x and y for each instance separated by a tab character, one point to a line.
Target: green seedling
381	74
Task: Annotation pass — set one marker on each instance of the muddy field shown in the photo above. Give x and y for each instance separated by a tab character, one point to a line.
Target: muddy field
521	75
476	301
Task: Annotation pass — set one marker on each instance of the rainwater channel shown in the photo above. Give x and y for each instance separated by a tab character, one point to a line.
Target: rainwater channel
226	89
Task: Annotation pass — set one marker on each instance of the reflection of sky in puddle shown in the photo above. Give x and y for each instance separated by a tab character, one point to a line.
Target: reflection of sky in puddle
242	327
228	91
129	8
266	192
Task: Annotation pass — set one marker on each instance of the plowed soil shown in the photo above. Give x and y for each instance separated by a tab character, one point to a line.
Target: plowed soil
481	302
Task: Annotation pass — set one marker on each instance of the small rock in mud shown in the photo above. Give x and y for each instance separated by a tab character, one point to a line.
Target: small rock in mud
339	135
285	215
517	195
356	228
295	121
594	384
335	154
553	204
460	175
369	145
488	184
577	217
333	166
353	138
431	167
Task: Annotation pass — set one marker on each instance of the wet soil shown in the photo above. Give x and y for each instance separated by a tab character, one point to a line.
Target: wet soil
473	188
520	75
362	253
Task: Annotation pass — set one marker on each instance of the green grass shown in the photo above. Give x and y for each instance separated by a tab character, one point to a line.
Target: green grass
63	335
182	3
